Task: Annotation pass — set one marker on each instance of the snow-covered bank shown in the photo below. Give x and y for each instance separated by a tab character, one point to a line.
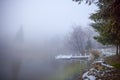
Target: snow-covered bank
100	68
86	57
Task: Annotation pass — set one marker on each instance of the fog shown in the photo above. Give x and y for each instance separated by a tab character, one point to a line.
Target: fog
42	19
32	33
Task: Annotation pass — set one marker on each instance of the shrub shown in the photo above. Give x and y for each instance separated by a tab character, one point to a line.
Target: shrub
95	54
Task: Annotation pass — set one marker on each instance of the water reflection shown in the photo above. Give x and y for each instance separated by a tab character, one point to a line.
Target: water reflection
34	63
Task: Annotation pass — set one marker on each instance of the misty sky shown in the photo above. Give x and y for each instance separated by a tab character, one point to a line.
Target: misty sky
42	19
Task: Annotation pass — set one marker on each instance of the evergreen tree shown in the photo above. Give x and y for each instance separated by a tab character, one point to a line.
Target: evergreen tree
106	21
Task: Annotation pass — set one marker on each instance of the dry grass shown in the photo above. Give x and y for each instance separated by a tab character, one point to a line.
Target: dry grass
114	61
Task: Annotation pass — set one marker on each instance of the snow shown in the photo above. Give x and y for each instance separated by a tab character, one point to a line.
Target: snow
98	62
94	72
107	51
92	77
63	57
92	69
80	56
103	64
72	57
106	65
86	76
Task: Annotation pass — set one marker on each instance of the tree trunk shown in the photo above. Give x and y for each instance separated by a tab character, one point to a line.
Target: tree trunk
117	49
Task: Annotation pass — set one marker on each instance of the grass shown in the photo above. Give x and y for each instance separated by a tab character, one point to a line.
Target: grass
114	61
69	70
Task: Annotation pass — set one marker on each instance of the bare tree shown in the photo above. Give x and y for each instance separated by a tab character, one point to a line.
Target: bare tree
80	40
89	43
77	40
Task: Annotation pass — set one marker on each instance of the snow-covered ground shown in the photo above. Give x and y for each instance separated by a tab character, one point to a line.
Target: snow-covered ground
63	57
72	57
103	64
86	76
96	73
107	51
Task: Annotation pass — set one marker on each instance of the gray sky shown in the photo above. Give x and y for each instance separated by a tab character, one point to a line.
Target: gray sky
42	19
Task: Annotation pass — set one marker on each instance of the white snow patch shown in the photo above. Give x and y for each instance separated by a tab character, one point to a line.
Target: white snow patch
86	76
98	61
72	57
63	57
103	64
106	65
93	73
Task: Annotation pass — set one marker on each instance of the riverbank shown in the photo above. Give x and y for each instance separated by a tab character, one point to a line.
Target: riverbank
109	69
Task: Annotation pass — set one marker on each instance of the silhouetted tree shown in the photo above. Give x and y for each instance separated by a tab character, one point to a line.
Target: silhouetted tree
20	35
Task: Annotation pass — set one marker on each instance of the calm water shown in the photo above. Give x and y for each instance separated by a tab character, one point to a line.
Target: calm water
35	64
